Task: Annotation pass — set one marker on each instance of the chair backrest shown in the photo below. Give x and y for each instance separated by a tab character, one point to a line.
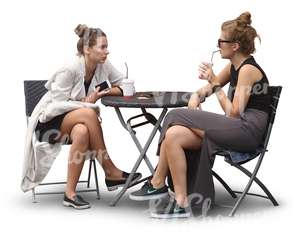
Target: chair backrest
274	92
34	91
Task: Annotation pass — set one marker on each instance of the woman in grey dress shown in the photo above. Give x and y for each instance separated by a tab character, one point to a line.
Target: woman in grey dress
191	137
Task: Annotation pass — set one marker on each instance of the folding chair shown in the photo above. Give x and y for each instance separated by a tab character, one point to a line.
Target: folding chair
34	91
274	92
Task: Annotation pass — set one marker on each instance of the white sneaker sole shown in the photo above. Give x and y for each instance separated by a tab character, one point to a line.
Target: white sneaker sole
170	216
150	197
68	204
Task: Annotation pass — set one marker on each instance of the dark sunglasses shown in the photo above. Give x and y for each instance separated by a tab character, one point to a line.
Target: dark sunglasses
225	41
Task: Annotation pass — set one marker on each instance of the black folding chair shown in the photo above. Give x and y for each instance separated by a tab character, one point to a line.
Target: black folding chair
34	91
274	92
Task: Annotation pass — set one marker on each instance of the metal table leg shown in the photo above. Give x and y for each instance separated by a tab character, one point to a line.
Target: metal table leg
132	133
142	150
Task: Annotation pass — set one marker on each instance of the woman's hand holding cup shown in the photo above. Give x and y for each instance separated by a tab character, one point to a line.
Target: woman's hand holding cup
205	71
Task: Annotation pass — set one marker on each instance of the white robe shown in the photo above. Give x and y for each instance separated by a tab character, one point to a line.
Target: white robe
65	90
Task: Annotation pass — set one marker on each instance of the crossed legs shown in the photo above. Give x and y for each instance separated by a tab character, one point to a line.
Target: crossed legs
84	129
172	157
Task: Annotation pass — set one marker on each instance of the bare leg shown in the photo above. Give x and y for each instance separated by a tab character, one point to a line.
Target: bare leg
177	139
80	144
162	169
89	118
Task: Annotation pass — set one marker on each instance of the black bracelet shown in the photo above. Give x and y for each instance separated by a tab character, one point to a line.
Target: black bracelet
216	88
202	99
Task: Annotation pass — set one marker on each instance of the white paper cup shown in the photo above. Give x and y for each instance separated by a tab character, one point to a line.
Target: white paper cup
128	88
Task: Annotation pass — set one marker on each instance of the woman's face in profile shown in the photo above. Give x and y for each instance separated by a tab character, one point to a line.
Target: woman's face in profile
98	53
225	45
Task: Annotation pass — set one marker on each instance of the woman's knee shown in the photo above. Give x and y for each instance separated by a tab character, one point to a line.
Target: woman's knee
182	136
173	133
80	134
88	114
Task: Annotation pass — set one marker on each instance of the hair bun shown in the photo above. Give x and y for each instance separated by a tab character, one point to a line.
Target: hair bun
80	29
244	18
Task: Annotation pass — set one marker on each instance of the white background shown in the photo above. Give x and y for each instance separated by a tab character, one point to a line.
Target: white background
163	43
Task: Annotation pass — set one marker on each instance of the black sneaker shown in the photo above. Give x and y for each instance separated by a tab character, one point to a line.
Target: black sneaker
148	192
170	211
114	184
77	203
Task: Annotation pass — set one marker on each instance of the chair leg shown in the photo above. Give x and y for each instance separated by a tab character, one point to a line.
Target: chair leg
262	186
92	164
33	195
229	190
252	178
89	174
96	178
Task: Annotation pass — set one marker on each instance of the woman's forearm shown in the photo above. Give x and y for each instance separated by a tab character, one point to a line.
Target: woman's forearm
209	88
224	101
114	91
204	91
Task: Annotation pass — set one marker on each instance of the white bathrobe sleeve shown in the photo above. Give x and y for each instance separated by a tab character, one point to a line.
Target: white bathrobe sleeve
61	86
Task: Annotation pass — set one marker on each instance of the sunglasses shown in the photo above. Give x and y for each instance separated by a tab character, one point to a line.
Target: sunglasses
223	41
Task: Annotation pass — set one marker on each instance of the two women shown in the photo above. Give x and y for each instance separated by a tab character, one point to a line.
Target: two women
240	129
67	113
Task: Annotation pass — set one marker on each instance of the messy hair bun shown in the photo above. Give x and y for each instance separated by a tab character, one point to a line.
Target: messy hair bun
240	30
87	37
80	29
244	19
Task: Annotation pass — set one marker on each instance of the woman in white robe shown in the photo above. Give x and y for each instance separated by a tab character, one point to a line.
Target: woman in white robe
68	112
